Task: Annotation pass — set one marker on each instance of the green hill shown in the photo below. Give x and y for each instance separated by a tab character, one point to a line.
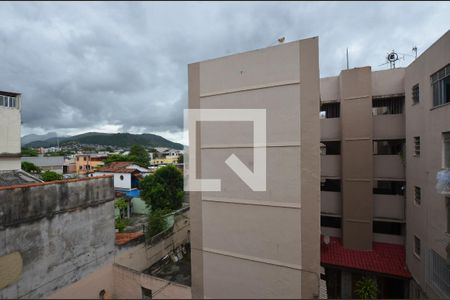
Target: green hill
110	139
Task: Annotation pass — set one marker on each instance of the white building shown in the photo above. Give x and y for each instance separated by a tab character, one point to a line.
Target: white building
10	121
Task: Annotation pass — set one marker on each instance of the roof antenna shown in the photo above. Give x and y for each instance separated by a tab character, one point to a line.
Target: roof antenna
414	49
347	58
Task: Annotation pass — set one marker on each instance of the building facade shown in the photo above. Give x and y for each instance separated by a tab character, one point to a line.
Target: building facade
87	163
427	107
10	120
384	137
265	244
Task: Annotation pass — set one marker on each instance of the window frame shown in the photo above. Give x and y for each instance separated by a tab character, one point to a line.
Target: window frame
436	81
415	90
415	244
417	195
417	146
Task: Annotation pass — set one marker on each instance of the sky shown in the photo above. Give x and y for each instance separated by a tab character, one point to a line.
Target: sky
122	66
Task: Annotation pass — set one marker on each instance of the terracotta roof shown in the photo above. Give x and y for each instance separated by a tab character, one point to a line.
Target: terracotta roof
124	237
383	258
118	167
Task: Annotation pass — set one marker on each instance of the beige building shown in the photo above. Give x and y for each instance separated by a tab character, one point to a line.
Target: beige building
9	131
427	94
385	135
248	244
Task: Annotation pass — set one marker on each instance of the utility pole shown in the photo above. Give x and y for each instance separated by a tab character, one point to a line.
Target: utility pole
347	58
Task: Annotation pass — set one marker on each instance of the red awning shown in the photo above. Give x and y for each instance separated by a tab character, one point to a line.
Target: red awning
384	258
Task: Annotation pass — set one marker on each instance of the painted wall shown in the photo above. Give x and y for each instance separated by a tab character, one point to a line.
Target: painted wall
10	137
119	182
62	230
260	257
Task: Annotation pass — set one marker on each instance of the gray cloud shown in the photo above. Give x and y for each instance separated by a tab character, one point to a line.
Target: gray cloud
84	66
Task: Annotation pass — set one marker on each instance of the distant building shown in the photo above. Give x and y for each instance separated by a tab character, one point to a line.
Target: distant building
10	122
87	163
47	163
165	156
126	174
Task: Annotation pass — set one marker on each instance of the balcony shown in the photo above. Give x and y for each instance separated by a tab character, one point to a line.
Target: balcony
330	129
389	126
389	207
330	165
331	203
388	167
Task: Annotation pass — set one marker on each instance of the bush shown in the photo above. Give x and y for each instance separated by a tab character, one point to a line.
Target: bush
121	224
51	176
30	167
157	222
367	288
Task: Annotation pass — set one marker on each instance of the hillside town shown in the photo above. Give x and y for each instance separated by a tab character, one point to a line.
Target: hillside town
291	185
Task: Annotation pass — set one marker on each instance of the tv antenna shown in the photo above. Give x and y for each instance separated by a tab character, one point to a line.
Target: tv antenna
392	57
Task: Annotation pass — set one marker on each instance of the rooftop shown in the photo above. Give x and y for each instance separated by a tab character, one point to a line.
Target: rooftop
16	177
118	167
384	258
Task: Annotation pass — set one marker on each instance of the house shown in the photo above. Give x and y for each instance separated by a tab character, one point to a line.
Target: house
86	163
126	174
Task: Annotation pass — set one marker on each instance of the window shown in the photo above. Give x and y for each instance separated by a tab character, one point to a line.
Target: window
417	146
415	94
326	221
331	148
387	228
446	149
438	273
388	147
330	185
386	187
416	246
330	110
8	101
121	177
440	84
417	195
387	105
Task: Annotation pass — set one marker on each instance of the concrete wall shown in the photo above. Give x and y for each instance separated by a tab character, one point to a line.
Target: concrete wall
10	137
63	232
427	221
260	257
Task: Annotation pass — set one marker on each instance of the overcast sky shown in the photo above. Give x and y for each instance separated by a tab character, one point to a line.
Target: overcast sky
122	67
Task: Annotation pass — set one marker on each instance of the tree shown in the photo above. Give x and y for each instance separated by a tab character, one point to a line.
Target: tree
122	205
180	159
30	167
116	157
139	155
51	176
29	152
157	222
367	288
163	189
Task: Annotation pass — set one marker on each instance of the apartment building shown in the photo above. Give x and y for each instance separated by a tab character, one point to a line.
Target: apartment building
427	108
87	163
9	131
258	244
384	137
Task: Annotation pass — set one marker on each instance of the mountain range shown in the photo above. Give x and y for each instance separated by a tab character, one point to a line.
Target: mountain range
97	138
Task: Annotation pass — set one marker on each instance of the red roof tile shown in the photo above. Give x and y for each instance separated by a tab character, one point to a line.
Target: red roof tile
125	237
117	167
384	258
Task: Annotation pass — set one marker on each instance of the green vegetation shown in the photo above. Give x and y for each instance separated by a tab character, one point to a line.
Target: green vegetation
60	153
121	224
117	157
180	159
367	288
163	192
139	156
157	222
30	167
51	176
121	221
29	152
163	189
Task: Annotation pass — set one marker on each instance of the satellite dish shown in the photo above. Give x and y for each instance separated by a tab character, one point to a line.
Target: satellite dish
392	57
281	40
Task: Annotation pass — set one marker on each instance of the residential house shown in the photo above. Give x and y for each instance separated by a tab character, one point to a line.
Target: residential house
87	163
10	120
